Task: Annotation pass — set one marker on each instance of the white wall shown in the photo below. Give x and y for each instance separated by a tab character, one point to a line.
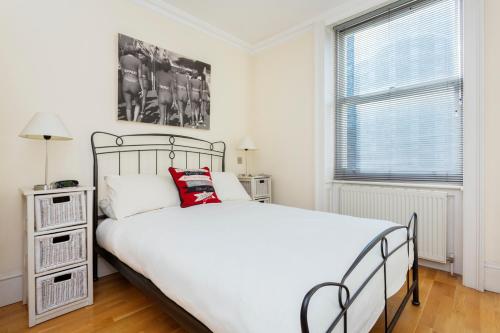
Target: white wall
282	119
61	56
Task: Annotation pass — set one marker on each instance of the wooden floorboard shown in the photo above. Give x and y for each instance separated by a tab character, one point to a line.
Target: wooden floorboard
446	306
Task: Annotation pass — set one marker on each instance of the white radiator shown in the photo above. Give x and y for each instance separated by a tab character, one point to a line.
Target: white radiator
396	205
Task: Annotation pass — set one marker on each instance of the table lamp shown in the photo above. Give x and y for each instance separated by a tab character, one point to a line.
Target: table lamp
45	126
246	145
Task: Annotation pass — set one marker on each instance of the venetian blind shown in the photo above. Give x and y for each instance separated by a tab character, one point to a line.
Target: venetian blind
398	109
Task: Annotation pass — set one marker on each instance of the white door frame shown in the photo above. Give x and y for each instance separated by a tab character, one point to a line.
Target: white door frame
473	195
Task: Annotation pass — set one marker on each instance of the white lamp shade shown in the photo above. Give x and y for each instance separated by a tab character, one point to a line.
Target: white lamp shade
45	124
247	144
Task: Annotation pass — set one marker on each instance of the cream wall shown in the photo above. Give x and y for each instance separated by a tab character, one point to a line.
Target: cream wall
282	119
492	139
61	56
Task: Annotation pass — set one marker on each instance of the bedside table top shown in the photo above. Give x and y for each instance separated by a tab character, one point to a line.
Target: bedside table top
253	177
31	191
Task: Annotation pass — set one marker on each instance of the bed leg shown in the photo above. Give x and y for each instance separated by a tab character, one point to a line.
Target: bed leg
94	265
416	293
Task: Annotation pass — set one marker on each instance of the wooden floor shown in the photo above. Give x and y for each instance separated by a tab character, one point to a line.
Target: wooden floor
446	306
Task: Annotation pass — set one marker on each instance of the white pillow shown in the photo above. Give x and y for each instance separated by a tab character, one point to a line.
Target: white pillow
228	187
133	194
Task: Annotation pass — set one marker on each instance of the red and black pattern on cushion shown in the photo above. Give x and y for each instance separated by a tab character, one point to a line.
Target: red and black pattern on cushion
194	185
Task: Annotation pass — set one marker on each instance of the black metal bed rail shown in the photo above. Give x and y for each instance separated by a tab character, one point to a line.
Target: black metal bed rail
120	146
345	302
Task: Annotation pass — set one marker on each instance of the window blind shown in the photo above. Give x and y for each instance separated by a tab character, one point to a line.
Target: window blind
398	94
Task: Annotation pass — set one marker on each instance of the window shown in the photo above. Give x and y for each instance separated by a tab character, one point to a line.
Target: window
398	109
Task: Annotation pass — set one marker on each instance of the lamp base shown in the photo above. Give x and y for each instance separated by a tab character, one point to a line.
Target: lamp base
41	187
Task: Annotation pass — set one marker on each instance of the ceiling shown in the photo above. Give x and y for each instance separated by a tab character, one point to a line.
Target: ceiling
254	21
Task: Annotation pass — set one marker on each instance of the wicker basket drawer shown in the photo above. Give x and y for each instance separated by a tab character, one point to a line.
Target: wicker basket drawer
262	187
60	249
58	289
59	210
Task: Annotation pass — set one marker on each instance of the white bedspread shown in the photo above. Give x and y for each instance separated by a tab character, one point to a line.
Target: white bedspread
246	266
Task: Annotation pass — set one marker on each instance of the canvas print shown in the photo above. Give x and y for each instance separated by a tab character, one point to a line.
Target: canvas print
159	86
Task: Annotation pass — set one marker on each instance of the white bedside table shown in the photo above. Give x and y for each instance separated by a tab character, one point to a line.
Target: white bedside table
57	251
258	187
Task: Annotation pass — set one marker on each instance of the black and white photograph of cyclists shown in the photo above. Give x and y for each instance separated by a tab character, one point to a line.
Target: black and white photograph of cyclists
159	86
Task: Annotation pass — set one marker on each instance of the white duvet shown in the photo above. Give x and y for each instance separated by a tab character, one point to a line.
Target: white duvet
245	266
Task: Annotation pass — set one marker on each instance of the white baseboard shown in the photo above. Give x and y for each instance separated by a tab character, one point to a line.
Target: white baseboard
11	288
492	277
438	266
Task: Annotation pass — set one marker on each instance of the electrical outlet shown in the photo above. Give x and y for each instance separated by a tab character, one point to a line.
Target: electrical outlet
239	160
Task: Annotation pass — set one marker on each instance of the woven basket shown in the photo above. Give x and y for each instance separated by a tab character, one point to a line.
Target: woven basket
59	210
60	249
58	289
247	185
262	187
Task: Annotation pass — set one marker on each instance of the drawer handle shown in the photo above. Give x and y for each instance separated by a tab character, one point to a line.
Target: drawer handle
62	278
261	181
60	199
60	239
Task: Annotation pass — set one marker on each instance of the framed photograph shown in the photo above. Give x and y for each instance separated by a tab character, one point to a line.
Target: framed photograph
159	86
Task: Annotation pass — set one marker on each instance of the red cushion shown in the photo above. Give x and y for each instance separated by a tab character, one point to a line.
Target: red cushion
195	186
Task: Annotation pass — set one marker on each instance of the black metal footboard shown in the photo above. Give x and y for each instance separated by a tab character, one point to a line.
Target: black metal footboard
347	297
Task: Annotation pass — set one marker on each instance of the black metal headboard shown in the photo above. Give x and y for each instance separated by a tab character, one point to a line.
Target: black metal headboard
151	154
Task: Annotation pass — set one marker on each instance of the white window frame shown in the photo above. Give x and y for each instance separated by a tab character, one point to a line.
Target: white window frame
473	183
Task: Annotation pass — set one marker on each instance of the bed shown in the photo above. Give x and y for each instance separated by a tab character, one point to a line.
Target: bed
242	266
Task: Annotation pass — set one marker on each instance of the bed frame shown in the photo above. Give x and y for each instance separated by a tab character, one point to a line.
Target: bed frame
189	152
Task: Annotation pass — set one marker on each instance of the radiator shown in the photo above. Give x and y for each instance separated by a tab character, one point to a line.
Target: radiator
396	205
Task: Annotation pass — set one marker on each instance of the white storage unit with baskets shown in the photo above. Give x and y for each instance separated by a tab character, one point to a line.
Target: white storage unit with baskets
258	187
58	251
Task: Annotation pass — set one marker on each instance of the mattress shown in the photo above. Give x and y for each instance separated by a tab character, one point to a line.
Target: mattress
245	266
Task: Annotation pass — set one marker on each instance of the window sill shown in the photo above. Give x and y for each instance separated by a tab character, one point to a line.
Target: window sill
395	184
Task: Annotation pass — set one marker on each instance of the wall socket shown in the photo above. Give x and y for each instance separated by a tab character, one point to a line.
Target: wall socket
239	160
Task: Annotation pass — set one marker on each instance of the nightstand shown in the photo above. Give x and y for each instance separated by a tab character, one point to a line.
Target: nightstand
258	187
57	251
